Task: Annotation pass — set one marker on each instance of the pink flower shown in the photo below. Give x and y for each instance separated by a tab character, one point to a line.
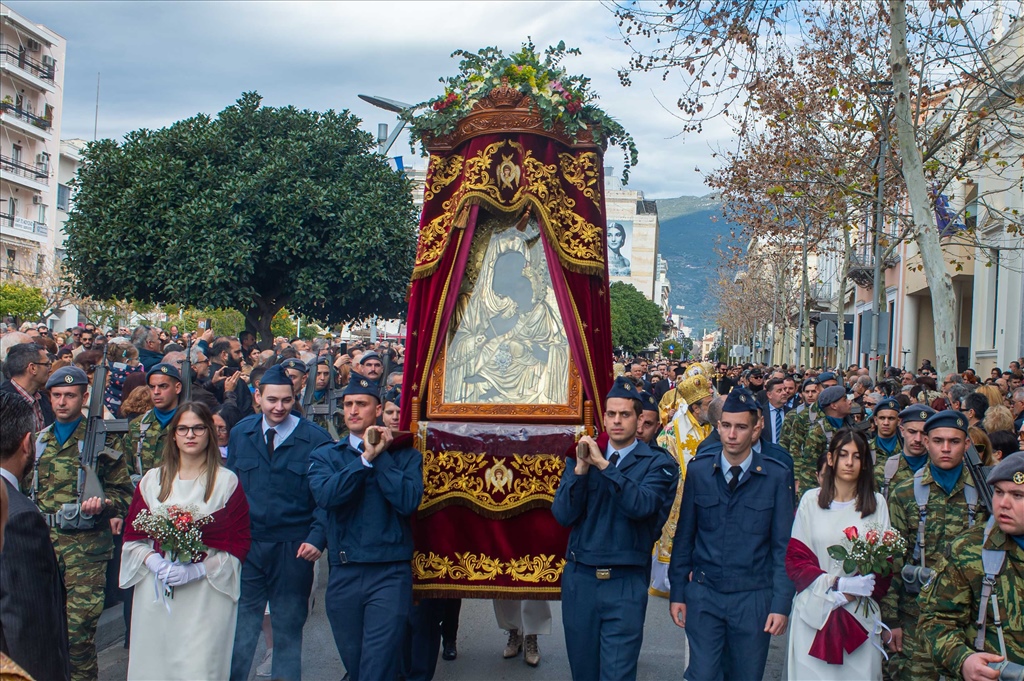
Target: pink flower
851	532
872	536
888	537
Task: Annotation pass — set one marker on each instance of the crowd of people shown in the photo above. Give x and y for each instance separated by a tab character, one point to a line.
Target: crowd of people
727	490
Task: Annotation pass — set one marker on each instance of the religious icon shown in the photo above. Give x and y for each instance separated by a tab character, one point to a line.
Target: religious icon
509	346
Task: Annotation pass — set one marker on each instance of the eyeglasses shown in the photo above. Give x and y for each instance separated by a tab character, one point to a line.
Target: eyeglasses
42	364
195	430
222	430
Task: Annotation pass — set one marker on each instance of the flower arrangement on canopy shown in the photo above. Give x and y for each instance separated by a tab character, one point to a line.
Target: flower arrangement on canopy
561	100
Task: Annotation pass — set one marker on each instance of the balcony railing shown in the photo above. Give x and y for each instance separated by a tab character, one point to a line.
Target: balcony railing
8	218
822	292
41	123
19	57
37	173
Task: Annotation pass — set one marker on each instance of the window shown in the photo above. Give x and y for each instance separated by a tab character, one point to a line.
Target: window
16	153
12	208
11	257
58	254
40	263
42	213
63	196
971	207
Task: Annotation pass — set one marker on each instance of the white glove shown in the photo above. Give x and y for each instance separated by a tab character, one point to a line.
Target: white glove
857	586
157	564
838	600
183	573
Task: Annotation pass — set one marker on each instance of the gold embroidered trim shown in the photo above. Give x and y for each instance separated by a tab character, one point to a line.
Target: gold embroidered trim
473	567
530	481
578	242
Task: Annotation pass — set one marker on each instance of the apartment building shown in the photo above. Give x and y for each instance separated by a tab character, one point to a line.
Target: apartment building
31	90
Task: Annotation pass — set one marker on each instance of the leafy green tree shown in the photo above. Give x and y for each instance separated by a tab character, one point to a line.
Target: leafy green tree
636	321
257	209
19	301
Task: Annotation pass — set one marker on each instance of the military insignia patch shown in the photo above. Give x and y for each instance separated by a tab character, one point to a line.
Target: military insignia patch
69	379
364	384
1018	478
163	370
960	422
627	386
924	416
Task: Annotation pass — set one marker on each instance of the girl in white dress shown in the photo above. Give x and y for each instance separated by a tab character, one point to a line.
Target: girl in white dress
190	634
832	638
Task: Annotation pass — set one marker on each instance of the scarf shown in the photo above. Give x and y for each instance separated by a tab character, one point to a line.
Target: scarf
946	479
62	431
1019	539
835	423
888	444
915	462
164	417
319	394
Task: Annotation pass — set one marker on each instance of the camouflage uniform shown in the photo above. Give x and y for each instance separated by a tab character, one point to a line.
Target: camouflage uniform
947	516
82	554
880	456
806	450
144	443
949	606
794	429
903	472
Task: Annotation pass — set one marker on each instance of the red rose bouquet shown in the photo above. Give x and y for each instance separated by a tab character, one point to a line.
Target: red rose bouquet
874	553
176	532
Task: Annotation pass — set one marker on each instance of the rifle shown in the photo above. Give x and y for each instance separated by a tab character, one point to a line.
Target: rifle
186	373
978	473
95	442
329	405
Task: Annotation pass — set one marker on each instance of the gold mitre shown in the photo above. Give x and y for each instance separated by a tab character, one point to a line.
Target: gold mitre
694	388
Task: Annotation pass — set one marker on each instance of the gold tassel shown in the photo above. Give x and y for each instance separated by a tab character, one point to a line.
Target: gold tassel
521	225
462	219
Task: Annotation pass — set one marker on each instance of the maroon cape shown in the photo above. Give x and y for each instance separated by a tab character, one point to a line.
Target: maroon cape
842	631
228	531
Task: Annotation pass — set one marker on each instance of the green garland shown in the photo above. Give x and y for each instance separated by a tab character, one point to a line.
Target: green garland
557	96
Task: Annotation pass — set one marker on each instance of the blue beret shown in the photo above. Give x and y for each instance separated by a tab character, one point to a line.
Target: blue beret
361	385
323	359
166	370
275	375
648	401
887	403
826	376
367	356
830	395
393	395
296	364
740	400
67	376
1011	469
916	413
624	388
948	418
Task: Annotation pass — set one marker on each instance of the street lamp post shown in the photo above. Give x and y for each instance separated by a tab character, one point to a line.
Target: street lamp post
384	141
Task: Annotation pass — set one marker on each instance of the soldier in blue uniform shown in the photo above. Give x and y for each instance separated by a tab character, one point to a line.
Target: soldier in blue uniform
615	498
369	492
270	453
729	585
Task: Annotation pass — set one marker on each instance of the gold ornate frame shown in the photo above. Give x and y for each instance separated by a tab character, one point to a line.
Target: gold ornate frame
570	413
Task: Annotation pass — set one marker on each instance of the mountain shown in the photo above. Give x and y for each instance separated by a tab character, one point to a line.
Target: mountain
690	230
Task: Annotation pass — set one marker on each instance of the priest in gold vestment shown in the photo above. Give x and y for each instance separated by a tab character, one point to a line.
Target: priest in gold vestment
688	427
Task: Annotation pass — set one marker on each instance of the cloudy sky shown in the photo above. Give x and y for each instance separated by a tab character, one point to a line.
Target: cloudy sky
162	61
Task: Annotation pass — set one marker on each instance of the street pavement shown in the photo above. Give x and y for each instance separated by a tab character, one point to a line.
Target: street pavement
480	646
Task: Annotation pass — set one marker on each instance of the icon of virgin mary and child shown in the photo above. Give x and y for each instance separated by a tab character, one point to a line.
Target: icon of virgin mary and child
509	346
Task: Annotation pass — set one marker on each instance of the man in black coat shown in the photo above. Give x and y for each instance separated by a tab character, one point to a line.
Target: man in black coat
33	618
28	366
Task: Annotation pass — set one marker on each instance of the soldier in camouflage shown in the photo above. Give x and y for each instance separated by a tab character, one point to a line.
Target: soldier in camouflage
797	421
143	445
946	492
80	529
913	454
828	415
886	442
951	605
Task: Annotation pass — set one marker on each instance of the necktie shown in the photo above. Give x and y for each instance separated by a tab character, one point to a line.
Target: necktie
735	471
778	426
613	460
271	433
361	446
